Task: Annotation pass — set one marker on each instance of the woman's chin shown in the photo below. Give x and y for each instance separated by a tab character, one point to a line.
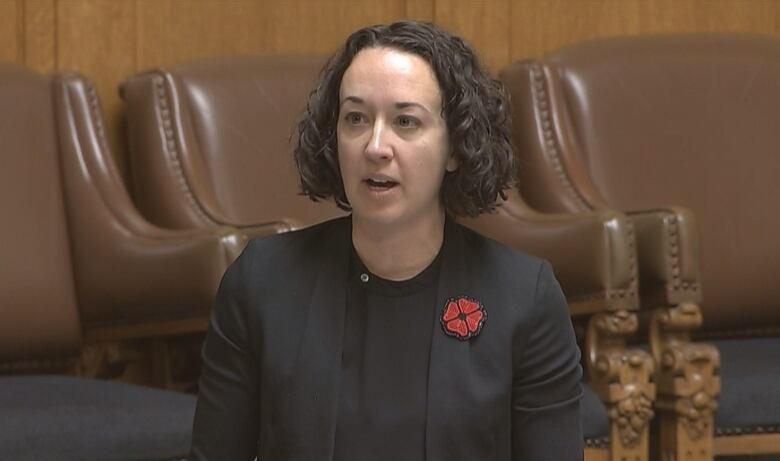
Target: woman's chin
384	217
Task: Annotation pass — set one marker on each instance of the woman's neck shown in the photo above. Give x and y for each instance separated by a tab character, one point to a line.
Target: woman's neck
398	253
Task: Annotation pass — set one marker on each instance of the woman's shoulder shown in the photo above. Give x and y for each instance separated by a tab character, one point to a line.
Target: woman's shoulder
524	284
275	255
499	255
299	242
517	273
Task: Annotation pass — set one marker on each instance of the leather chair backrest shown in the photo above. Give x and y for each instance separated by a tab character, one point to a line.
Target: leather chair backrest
38	312
634	123
224	126
127	271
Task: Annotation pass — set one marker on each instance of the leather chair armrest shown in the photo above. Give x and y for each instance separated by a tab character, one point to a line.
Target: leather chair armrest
592	253
686	371
143	280
668	255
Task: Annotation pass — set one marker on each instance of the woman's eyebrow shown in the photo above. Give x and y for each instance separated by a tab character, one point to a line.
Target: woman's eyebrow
354	99
406	104
398	105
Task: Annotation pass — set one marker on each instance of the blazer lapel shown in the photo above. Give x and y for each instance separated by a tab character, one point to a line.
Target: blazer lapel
447	373
315	387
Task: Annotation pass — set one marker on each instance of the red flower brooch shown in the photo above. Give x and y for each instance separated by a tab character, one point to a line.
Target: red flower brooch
463	317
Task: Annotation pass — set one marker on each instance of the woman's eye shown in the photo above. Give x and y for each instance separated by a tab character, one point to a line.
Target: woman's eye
405	121
354	118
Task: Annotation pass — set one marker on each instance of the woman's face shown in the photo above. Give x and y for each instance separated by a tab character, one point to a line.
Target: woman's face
393	144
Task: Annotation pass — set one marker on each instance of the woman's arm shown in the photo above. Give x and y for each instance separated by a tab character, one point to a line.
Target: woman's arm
226	418
547	381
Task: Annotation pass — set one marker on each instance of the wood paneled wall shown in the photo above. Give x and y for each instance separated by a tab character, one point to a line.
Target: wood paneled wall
110	39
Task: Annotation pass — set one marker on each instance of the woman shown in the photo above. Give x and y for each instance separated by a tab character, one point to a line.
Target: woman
393	333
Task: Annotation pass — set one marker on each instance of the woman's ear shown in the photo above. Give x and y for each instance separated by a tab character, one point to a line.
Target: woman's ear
452	163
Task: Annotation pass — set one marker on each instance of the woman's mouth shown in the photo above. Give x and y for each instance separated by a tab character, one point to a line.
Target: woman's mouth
380	184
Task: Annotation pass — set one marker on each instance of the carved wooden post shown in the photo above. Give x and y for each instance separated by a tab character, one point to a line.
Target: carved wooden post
107	360
687	382
622	379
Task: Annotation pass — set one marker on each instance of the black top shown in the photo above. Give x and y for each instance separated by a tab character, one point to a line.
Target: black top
387	341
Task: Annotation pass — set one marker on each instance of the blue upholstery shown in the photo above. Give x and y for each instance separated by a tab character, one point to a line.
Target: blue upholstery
65	418
750	386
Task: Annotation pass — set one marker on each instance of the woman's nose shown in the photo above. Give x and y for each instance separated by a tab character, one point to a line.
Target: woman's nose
379	147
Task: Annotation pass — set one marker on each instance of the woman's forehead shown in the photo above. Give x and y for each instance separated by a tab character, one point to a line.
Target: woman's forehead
390	75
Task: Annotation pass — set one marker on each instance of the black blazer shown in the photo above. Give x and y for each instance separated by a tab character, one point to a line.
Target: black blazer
272	356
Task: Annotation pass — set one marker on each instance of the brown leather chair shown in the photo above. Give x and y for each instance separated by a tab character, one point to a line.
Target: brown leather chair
76	258
210	145
210	142
131	278
639	123
71	223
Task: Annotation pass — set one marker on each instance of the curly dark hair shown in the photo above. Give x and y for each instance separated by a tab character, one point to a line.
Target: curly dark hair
474	107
